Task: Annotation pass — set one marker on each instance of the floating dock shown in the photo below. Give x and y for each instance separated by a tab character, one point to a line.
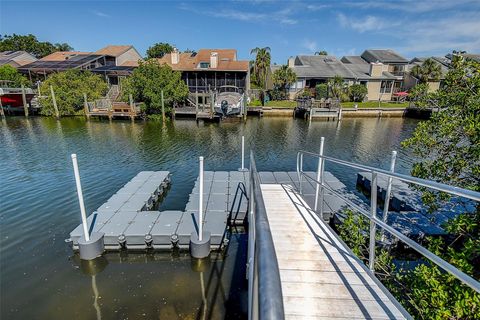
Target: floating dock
128	220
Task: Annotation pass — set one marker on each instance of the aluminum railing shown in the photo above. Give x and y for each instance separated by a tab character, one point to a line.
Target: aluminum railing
372	215
264	286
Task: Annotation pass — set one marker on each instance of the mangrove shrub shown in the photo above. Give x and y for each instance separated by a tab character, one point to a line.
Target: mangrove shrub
69	87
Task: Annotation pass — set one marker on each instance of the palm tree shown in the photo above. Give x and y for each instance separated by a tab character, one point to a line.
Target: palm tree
321	53
337	87
428	70
283	77
261	64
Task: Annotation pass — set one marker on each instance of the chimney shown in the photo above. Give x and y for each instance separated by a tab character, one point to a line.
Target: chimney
291	62
175	56
214	60
376	69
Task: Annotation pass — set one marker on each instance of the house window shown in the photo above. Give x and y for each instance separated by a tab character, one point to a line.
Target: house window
204	65
386	86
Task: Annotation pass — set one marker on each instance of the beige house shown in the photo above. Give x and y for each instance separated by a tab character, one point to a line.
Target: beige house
433	85
381	71
16	58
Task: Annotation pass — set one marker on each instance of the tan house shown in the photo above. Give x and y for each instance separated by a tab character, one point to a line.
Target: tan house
210	69
433	85
16	58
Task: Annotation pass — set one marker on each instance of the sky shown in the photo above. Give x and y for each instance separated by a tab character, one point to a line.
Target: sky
412	28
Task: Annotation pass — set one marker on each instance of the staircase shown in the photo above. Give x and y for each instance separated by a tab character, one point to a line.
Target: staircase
113	93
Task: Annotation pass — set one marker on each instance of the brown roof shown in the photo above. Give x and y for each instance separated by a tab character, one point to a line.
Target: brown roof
114	51
130	64
62	55
227	60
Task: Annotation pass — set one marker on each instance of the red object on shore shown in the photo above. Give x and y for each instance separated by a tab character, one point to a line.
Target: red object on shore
401	94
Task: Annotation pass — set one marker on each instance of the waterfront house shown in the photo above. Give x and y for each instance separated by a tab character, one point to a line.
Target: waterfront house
210	69
381	71
103	61
16	58
433	84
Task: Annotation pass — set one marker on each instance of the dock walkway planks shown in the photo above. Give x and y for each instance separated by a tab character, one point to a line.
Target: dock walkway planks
320	276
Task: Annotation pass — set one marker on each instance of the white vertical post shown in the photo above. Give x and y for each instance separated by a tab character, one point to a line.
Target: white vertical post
200	201
80	197
319	172
373	226
389	187
243	153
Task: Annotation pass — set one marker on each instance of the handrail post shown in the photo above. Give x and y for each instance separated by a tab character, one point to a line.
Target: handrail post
319	174
300	174
243	169
373	212
389	187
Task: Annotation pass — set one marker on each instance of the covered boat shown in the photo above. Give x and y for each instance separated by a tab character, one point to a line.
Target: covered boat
229	101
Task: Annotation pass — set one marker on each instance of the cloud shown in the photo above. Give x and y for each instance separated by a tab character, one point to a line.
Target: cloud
283	16
310	45
369	23
101	14
412	6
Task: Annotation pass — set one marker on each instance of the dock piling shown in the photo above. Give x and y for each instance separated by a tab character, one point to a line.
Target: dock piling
24	100
90	246
200	242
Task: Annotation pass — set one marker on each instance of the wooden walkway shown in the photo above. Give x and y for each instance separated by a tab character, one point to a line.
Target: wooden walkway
321	278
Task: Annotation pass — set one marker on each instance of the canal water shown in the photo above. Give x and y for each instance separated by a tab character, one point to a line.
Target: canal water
40	277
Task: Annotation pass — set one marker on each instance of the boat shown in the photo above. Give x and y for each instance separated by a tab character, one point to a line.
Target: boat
11	97
229	101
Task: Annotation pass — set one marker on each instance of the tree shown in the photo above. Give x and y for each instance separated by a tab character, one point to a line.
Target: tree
69	87
321	53
429	70
283	77
321	91
149	79
158	50
448	146
418	95
30	44
357	92
261	65
63	47
9	73
337	88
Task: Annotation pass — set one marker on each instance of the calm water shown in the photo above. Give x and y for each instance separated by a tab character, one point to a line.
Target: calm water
42	279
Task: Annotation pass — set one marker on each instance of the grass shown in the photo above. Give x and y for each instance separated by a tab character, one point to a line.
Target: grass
287	104
374	104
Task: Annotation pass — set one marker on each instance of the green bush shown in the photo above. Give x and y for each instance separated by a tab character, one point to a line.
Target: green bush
277	94
357	92
69	87
9	73
305	93
255	103
321	91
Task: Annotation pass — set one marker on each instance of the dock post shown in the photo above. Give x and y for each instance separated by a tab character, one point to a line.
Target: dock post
90	245
373	226
320	178
163	107
243	169
54	100
340	113
1	109
85	105
200	242
24	100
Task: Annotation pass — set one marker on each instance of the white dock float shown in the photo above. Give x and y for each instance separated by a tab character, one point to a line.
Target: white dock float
320	276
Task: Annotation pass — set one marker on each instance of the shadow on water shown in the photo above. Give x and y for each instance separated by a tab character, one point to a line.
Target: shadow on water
38	208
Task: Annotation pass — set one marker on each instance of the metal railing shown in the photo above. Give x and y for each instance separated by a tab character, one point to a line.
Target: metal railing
264	286
372	215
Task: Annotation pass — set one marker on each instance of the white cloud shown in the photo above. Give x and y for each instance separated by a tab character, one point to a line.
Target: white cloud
310	45
368	23
412	6
101	14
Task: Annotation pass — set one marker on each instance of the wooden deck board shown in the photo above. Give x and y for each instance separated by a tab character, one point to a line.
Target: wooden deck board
320	277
